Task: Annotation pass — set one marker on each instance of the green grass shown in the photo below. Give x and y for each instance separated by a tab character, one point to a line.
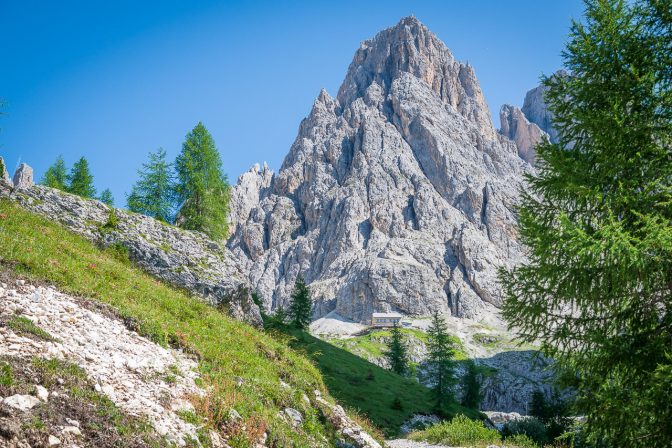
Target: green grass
461	431
40	250
22	324
367	388
372	345
6	375
464	432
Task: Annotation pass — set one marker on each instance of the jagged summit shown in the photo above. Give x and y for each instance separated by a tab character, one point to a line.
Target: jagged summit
410	47
397	194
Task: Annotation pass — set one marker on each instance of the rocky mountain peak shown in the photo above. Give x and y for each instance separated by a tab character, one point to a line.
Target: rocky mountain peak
397	195
410	47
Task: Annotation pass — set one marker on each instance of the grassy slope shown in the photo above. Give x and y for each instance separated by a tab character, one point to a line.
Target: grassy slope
372	345
40	250
367	388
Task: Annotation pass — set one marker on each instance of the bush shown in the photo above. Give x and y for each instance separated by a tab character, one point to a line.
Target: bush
530	427
520	441
119	251
460	431
6	376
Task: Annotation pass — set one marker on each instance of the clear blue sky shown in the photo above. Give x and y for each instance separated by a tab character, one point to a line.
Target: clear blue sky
112	80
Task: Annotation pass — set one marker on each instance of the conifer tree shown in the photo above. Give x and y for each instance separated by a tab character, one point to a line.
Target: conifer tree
80	180
56	175
597	220
440	354
152	194
278	319
202	188
301	305
106	197
396	352
472	394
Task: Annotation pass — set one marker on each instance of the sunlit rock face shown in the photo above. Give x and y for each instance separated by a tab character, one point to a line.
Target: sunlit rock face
526	135
397	195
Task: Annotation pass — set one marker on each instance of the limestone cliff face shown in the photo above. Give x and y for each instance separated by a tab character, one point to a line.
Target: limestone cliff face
536	109
518	128
527	126
397	195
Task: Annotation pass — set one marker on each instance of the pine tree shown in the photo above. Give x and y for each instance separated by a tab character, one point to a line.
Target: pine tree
277	319
440	354
396	352
107	198
56	175
202	188
597	219
80	180
472	395
152	194
300	308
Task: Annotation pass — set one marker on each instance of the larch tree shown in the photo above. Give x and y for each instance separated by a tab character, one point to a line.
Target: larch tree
301	305
56	175
202	188
80	180
106	197
153	194
597	220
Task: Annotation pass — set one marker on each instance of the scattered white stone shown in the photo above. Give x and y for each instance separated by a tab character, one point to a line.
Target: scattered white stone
295	415
71	430
21	402
42	393
53	441
72	422
234	416
216	440
126	367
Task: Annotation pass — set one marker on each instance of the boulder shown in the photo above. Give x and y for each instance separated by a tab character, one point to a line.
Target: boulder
22	403
23	177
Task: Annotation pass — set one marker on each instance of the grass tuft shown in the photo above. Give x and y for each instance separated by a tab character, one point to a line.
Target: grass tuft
6	375
23	325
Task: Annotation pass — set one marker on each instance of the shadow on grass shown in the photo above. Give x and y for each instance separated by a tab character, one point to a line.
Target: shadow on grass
367	388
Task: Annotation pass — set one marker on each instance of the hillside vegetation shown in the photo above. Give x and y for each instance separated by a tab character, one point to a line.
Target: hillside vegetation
243	368
369	389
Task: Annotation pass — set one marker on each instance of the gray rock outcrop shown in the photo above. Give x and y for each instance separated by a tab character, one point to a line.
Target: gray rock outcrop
245	196
516	126
186	259
536	110
23	177
397	195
